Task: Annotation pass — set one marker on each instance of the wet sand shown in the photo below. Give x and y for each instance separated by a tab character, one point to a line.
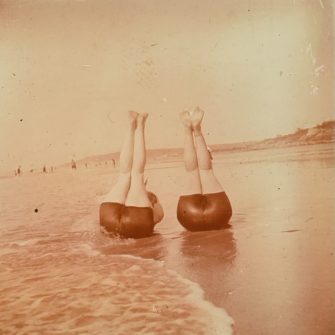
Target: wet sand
272	271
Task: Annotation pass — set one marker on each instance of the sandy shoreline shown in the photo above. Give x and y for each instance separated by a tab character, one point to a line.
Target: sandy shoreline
273	271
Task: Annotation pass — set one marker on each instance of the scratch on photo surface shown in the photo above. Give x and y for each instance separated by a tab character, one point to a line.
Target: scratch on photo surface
318	70
290	231
309	51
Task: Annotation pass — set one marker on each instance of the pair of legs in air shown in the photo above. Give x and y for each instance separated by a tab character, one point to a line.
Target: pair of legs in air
204	205
129	210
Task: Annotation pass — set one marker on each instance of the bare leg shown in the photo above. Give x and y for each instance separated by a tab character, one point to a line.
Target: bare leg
209	182
120	190
137	195
193	185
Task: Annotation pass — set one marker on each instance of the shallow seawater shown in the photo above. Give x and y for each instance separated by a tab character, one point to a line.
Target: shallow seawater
62	284
59	274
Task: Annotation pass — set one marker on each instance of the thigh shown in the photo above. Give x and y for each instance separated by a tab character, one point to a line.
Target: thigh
120	189
209	182
137	195
192	184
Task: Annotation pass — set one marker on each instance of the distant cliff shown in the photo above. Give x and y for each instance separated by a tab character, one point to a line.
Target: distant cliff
322	133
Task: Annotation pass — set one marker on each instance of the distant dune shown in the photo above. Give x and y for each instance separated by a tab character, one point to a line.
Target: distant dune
321	133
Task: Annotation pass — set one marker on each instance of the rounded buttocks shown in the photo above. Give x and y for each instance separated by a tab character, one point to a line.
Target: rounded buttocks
197	212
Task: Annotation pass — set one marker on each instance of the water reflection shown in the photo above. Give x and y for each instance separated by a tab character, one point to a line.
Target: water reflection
214	244
205	258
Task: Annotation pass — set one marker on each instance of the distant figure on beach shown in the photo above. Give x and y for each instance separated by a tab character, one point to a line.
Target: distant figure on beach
204	205
73	164
113	162
44	169
15	173
19	171
129	210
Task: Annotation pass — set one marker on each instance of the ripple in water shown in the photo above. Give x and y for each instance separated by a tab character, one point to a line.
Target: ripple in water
62	283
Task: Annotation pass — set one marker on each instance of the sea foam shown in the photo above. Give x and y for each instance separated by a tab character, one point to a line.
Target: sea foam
80	290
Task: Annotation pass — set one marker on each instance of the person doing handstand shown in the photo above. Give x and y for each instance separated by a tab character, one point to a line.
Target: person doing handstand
129	210
204	205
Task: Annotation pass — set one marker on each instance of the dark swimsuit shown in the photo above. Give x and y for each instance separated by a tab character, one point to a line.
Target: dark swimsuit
204	211
126	221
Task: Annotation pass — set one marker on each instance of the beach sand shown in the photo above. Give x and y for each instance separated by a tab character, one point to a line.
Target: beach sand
272	271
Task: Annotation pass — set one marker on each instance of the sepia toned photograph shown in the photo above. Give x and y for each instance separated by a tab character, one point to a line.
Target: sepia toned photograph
167	167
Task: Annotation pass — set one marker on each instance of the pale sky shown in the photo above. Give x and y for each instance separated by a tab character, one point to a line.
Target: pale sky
72	69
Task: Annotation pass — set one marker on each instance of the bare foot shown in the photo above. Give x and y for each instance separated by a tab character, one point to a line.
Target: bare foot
185	118
132	119
196	118
142	117
132	116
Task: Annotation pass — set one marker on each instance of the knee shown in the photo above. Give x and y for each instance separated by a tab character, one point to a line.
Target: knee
206	173
125	175
137	176
124	178
137	182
